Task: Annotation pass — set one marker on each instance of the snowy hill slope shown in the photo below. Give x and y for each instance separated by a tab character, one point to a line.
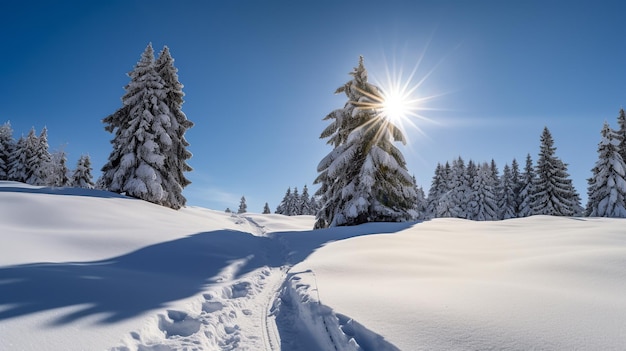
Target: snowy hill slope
92	270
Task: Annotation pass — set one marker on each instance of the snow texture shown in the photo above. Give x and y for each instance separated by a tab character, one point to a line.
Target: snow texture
85	269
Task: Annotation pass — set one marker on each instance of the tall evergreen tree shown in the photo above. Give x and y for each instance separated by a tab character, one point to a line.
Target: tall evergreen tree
137	165
364	178
177	156
266	209
527	188
607	187
82	178
483	203
621	133
58	173
243	208
305	206
18	162
517	181
7	145
507	199
458	189
436	191
554	193
283	205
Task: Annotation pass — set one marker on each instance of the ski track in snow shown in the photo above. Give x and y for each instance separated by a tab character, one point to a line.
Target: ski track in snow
250	313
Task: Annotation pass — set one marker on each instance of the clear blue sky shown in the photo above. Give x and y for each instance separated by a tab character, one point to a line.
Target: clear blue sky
259	77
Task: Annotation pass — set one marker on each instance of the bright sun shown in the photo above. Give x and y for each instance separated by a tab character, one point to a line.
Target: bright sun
396	106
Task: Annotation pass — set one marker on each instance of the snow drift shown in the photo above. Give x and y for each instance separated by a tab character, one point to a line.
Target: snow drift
92	270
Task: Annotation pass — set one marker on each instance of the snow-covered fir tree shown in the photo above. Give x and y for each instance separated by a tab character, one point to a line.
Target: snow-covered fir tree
364	178
459	189
266	209
58	173
143	144
25	164
507	199
482	204
445	203
436	191
607	187
81	177
228	210
39	158
621	133
243	208
7	146
527	189
177	155
18	165
304	204
516	179
553	193
293	203
420	203
282	206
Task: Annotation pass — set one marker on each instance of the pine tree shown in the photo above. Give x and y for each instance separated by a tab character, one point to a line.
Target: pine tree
458	189
483	203
266	209
177	155
137	165
420	202
364	179
607	187
507	199
436	191
82	178
58	171
553	193
227	210
621	133
293	203
7	145
18	165
243	208
527	189
283	205
38	158
516	179
304	206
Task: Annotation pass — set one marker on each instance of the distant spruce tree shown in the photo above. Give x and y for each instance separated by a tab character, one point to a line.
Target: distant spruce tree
243	208
607	186
364	178
39	158
527	188
553	193
621	133
18	165
266	209
81	177
145	145
507	199
483	202
7	146
58	173
283	205
516	179
305	207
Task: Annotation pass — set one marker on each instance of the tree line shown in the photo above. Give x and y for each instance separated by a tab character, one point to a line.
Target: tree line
29	160
364	177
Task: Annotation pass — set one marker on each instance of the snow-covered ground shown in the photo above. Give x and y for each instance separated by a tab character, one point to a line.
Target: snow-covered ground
92	270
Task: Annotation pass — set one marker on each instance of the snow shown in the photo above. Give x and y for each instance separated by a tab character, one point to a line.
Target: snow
83	269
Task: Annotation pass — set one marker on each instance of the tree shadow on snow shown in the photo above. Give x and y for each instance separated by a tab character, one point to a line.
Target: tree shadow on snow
149	278
64	191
